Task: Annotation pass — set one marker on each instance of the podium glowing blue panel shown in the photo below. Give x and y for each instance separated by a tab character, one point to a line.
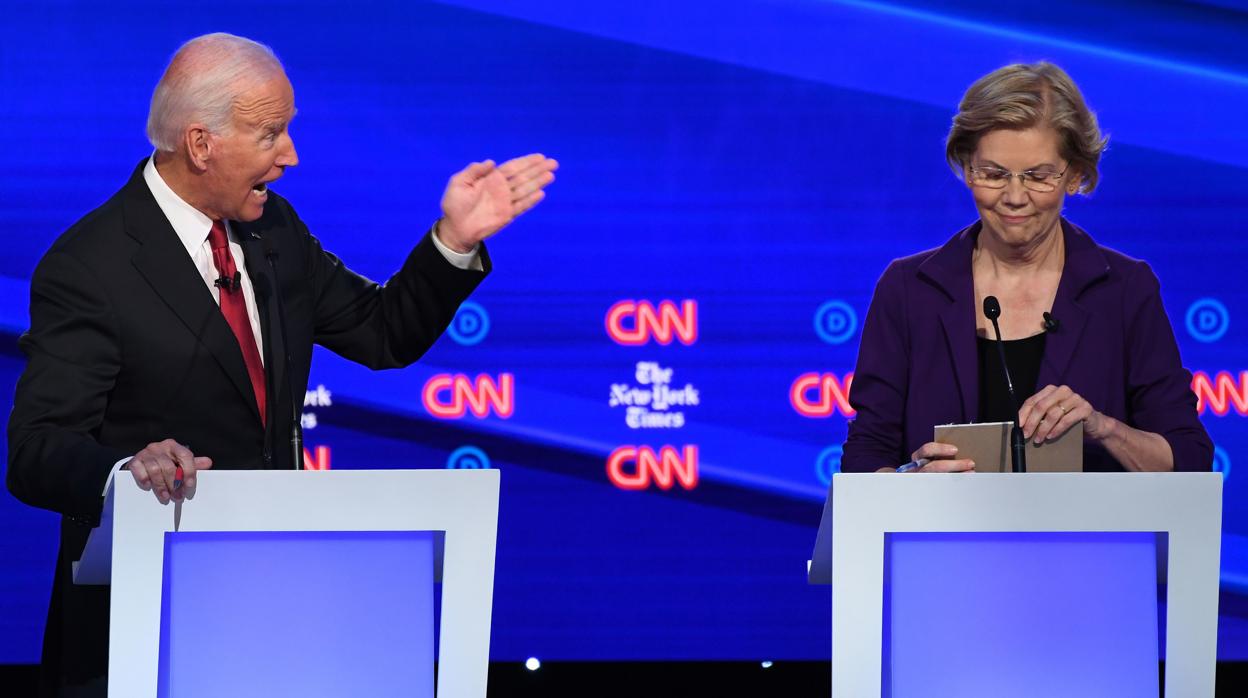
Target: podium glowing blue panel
1036	614
297	613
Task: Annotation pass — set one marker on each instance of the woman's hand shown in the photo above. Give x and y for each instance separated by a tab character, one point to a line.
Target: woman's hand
941	458
1053	410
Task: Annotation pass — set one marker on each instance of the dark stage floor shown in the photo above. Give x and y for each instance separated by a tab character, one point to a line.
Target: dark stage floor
654	679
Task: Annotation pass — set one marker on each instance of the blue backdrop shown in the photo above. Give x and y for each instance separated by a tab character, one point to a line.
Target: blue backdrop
658	362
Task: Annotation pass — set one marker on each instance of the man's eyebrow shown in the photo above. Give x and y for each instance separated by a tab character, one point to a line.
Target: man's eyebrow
280	124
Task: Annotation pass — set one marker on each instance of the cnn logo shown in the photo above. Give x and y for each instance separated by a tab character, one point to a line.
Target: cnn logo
451	396
316	459
819	395
1221	393
633	323
638	467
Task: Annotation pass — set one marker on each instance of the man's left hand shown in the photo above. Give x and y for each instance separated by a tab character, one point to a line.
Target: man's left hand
483	198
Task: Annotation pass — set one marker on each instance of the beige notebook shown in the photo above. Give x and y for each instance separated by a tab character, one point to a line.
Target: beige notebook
988	445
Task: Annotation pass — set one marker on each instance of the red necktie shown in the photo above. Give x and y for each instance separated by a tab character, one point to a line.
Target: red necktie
234	308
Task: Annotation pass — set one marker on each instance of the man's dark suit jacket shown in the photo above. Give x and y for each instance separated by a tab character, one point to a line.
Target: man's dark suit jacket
127	346
917	363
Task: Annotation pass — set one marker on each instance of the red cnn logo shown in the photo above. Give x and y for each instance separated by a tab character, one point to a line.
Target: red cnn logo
663	469
832	395
319	461
633	323
1221	393
448	396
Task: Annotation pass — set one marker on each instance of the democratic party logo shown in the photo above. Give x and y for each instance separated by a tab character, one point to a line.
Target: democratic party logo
639	467
836	322
470	325
1207	319
1221	462
451	396
827	464
633	323
467	458
821	395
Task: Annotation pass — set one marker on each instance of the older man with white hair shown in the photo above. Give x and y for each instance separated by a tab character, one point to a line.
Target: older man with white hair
156	341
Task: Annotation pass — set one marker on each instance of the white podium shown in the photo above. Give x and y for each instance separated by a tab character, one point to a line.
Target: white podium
1027	566
295	513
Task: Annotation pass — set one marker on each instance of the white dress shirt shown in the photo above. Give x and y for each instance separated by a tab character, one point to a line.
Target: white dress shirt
192	228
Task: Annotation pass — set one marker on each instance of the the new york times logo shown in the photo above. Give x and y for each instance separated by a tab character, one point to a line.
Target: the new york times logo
652	402
318	397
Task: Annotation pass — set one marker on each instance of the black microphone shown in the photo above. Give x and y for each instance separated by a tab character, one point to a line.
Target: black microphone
229	284
260	284
1051	323
1018	445
296	406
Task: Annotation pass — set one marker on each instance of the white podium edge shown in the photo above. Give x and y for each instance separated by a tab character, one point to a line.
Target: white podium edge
1187	506
461	503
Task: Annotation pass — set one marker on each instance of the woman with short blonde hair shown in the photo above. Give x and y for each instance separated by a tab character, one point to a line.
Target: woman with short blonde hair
1085	337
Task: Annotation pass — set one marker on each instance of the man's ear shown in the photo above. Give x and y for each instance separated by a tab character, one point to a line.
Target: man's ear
199	146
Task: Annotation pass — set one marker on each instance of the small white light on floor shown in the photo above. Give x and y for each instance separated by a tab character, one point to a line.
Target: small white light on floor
532	664
767	664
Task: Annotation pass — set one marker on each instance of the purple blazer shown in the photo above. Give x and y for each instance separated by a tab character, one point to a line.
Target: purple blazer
917	364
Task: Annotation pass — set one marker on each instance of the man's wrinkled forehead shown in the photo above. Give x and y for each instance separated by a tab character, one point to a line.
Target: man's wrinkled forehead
264	102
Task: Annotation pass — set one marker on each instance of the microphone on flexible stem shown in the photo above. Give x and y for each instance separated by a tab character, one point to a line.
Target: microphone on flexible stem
296	407
1018	445
261	287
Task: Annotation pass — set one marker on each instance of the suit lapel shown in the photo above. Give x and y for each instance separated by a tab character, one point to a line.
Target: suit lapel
165	265
949	270
1085	265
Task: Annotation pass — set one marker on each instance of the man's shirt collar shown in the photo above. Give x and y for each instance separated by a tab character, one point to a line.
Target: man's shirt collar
189	223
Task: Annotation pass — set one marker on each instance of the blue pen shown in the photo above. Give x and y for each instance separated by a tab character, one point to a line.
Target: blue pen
913	465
